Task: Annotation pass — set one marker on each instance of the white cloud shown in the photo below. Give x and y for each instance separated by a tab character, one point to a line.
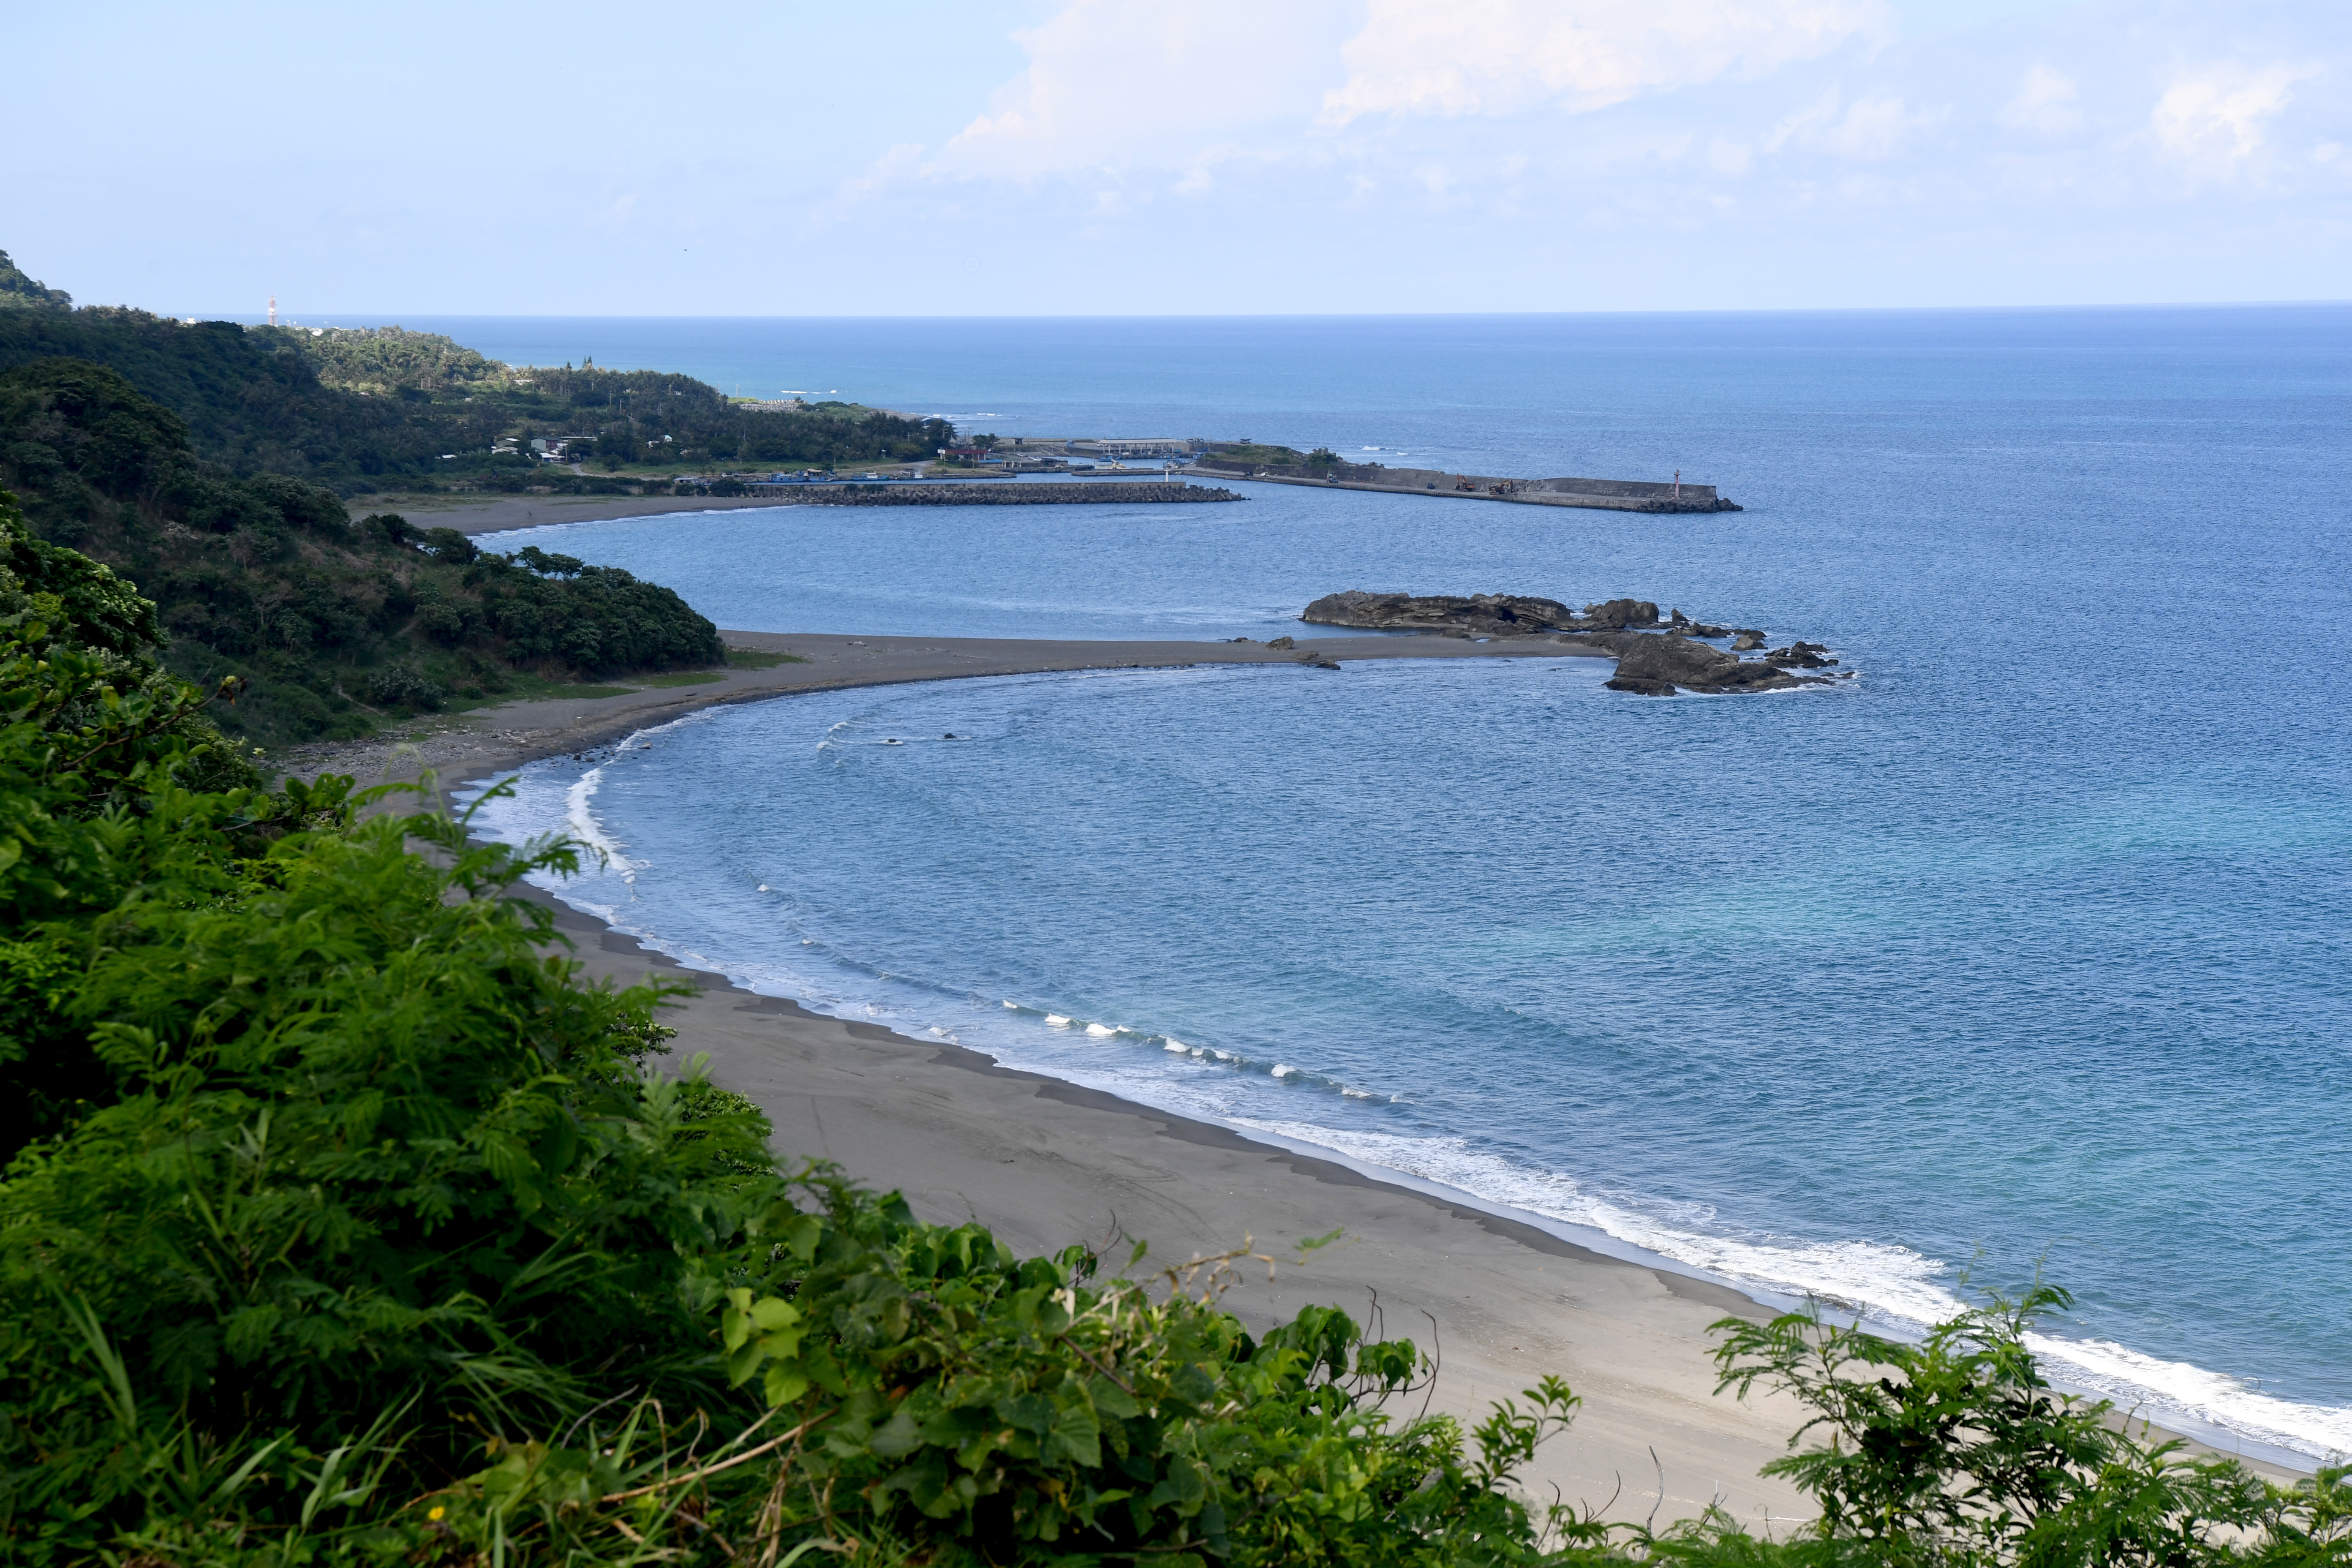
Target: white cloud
1111	82
1868	130
1495	57
2046	101
2215	119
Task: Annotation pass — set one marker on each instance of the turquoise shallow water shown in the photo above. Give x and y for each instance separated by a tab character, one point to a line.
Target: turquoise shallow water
2027	951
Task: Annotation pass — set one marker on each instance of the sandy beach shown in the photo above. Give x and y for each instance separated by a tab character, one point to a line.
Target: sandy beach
492	514
1043	1163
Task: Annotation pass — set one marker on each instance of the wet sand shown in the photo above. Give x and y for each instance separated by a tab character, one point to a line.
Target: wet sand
1043	1164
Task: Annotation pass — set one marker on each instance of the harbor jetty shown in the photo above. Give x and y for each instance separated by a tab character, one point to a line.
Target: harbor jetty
1610	495
998	492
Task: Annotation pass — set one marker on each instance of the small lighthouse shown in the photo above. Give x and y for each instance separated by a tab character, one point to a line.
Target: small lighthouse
273	310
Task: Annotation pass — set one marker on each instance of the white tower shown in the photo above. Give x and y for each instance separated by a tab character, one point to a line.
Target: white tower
273	310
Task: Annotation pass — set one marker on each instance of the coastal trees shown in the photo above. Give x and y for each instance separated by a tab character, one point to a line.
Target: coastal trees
263	577
370	409
18	292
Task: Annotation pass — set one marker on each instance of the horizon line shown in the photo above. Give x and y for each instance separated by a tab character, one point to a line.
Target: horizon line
259	318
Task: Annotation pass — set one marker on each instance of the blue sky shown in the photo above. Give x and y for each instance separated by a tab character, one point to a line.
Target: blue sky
1151	156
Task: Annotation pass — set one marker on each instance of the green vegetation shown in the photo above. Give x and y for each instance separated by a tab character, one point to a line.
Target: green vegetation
753	658
331	627
345	1223
1255	454
366	411
18	292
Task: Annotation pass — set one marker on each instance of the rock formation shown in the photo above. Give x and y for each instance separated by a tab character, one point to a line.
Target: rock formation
1660	662
1481	615
1666	665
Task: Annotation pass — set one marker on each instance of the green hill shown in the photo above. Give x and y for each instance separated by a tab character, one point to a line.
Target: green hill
333	627
371	410
18	292
210	463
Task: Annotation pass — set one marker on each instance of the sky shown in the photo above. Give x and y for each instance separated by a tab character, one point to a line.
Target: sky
1147	157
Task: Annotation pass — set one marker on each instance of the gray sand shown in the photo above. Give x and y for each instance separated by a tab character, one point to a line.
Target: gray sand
1044	1163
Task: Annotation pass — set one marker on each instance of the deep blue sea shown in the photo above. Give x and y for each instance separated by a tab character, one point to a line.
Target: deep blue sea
2026	953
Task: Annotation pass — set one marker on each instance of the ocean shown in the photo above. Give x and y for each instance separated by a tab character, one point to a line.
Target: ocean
2021	955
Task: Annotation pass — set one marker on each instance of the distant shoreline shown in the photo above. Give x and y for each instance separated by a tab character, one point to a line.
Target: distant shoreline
474	514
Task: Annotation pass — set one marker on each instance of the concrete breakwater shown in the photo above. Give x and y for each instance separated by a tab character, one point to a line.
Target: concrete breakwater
1610	495
996	492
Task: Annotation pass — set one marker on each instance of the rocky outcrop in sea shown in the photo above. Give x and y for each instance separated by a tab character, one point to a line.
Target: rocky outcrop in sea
1656	657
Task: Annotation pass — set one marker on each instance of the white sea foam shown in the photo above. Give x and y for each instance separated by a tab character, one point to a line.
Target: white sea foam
580	820
1896	1287
1894	1284
2158	1388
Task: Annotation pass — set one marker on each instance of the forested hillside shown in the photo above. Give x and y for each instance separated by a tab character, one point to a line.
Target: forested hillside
366	411
331	626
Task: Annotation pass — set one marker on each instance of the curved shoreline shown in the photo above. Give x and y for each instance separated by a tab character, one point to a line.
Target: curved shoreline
1043	1161
512	734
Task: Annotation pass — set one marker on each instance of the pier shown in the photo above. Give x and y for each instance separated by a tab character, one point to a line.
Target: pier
1608	495
995	493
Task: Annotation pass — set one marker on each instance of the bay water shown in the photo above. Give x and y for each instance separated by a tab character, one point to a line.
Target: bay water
2024	954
